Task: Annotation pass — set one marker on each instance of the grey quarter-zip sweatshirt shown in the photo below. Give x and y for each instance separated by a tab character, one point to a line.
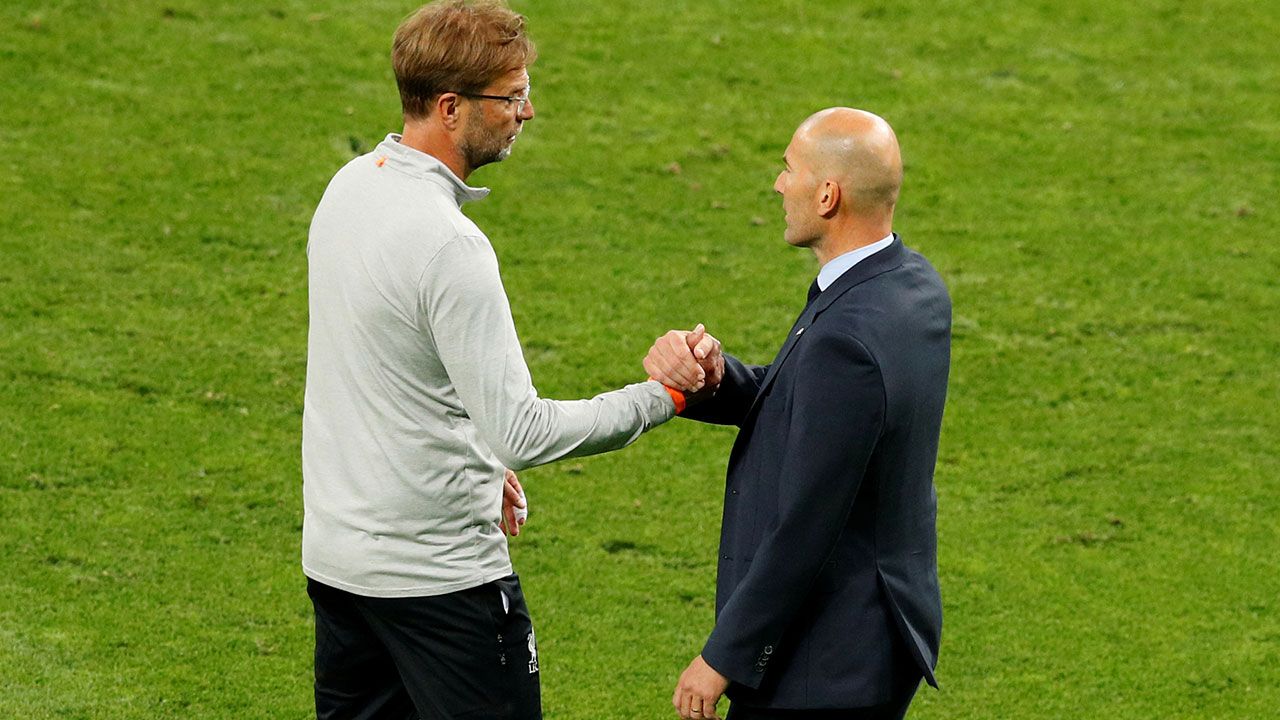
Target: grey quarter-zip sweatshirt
417	391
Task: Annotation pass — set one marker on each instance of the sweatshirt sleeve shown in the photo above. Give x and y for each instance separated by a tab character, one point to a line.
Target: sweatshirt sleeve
466	313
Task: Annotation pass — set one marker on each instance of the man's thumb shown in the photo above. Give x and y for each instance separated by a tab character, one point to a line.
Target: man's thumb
695	337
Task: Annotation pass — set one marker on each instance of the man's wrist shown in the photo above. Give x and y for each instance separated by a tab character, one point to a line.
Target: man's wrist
677	397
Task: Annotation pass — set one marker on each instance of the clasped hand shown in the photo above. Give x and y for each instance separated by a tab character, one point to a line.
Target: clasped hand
690	361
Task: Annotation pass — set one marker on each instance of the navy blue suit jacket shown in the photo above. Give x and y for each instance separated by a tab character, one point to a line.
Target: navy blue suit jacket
827	588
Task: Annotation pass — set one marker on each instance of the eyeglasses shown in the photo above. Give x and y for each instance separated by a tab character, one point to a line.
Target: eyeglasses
519	100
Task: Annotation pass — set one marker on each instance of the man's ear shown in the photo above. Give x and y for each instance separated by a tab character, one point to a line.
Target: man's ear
449	109
828	198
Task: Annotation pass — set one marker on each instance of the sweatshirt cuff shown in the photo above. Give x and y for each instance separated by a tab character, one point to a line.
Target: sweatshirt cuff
677	397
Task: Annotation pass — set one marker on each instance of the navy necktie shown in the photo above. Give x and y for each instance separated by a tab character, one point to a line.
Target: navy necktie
814	291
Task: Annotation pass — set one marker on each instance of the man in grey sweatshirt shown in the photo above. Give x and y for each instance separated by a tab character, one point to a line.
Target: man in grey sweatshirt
418	397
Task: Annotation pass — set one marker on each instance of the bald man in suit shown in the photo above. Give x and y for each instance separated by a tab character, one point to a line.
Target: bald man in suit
827	599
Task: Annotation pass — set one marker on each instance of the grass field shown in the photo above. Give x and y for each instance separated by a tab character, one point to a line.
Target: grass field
1098	182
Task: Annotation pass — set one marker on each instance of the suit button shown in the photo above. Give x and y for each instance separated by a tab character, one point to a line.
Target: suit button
768	649
733	492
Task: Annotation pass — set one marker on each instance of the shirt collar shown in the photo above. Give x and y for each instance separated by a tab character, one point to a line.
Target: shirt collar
421	165
840	264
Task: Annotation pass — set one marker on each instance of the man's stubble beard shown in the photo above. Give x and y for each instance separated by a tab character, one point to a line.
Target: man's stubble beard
481	146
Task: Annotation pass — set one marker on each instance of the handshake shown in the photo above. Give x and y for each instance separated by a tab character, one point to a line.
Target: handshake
690	361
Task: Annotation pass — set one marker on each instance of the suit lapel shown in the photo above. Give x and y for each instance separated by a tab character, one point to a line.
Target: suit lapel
797	331
881	262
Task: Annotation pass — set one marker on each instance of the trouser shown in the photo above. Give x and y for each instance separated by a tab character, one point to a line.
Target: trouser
894	709
466	654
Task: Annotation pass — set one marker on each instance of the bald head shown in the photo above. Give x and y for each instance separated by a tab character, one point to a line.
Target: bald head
859	151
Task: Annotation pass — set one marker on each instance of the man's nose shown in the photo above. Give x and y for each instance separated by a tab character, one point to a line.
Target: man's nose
527	112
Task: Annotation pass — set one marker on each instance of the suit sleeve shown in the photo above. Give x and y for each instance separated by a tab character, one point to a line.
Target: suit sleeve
837	413
734	397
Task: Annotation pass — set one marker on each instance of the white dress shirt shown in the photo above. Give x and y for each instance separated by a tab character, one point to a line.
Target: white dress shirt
840	264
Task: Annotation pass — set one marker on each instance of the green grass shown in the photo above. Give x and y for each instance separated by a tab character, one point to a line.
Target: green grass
1096	181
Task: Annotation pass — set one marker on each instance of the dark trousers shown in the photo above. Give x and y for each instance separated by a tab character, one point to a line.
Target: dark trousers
895	709
466	654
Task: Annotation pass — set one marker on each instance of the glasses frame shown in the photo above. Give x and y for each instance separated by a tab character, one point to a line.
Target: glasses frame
520	100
